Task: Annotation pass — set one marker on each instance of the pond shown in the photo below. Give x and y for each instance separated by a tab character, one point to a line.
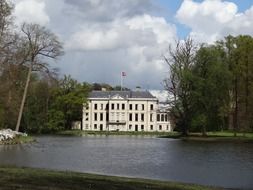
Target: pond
217	164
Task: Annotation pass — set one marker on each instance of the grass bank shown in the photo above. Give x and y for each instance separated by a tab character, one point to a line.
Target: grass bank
40	179
18	140
220	136
224	136
133	133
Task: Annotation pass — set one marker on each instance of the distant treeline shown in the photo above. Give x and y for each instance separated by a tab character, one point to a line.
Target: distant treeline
211	86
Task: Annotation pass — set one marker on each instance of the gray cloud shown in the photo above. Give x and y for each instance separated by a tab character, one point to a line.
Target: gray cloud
104	38
106	11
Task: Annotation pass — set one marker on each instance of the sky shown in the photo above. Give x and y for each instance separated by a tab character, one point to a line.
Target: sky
102	38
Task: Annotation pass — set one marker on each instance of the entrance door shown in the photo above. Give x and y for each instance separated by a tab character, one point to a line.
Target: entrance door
136	127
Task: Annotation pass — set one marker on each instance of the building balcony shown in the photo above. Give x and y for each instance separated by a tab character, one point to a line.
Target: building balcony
116	122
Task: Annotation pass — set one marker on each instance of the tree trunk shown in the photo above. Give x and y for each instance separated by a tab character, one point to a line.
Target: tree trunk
184	127
246	99
236	109
24	96
204	134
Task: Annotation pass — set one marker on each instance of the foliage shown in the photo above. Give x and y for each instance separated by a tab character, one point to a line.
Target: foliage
212	86
180	83
38	43
68	99
31	93
107	87
53	106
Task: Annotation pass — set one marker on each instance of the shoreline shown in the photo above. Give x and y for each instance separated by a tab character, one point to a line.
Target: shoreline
18	140
211	137
221	137
32	178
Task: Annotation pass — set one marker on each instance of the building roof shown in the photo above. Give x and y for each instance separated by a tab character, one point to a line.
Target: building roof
123	94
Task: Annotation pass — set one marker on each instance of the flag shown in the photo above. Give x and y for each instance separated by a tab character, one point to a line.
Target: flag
123	74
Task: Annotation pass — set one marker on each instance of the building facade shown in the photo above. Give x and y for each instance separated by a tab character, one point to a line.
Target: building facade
124	111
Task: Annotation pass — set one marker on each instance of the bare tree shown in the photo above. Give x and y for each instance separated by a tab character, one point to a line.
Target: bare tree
38	43
178	84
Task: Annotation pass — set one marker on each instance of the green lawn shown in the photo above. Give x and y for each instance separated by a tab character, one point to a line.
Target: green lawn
229	134
40	179
222	136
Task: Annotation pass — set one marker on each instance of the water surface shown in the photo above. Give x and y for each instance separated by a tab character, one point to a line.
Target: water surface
218	164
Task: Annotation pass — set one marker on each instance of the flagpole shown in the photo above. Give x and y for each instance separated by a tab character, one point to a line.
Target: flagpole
121	81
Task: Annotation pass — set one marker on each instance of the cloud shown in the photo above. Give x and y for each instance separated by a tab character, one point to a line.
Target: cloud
133	45
106	11
211	20
162	95
139	31
31	11
103	38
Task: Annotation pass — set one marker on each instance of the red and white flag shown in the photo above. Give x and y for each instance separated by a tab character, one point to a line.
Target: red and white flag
123	74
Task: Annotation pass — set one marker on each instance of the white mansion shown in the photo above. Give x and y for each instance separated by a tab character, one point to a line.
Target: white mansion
124	111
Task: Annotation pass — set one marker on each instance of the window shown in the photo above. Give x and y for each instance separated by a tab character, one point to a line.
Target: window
130	106
95	116
142	117
130	127
117	106
107	106
151	127
136	106
162	117
87	126
112	106
136	117
160	127
123	106
151	107
107	116
151	117
101	106
166	117
167	127
136	127
142	106
158	117
95	106
101	117
87	117
142	127
95	126
130	117
101	127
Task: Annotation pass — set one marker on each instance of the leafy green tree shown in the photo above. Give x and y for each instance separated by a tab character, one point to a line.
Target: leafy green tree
211	89
68	100
243	68
35	115
239	55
